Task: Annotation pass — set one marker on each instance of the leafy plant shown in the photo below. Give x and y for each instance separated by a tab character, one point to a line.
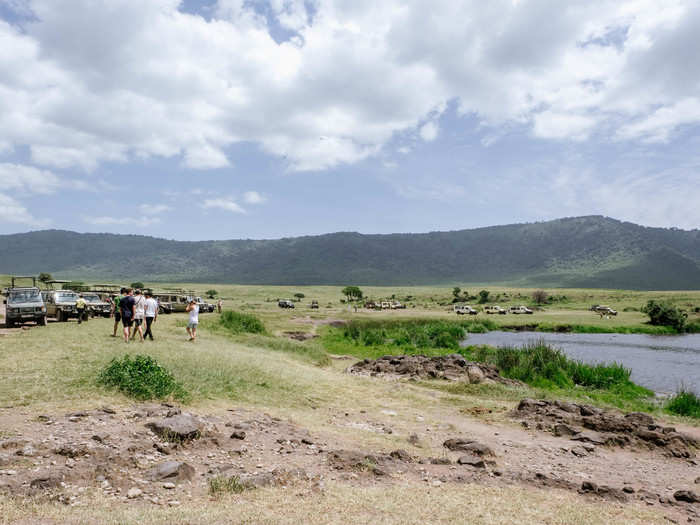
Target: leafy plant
211	293
484	296
539	296
299	296
665	314
352	293
45	277
223	485
141	377
238	323
137	285
684	403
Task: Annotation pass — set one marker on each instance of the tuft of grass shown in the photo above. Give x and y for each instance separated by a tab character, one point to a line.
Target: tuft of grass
684	403
222	485
141	377
239	323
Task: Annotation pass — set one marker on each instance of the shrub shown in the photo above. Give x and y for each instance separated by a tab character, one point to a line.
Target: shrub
484	296
211	293
238	323
665	314
137	285
539	296
684	403
141	377
221	484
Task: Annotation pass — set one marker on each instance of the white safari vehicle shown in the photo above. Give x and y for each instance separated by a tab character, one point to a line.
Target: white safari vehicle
495	310
519	310
464	309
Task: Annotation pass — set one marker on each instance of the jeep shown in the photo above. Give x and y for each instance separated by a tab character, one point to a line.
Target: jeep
60	304
462	309
603	310
314	304
285	303
24	303
96	306
520	310
493	309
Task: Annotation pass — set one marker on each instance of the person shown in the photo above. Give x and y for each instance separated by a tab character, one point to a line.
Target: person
126	307
116	311
193	309
151	313
139	308
80	306
219	304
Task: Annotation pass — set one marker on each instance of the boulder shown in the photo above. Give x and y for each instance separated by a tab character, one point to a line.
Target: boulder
472	461
180	427
468	445
171	470
687	496
45	482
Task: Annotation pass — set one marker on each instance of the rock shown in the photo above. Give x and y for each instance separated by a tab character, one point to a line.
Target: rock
134	492
181	427
307	441
72	450
435	483
173	503
579	451
171	470
27	451
687	496
100	438
169	485
640	418
468	445
697	481
45	482
401	455
475	374
472	461
562	429
108	410
440	461
414	440
627	489
589	486
238	434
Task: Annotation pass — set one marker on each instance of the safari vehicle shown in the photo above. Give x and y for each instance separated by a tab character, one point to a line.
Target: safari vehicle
395	305
285	303
519	310
204	306
24	303
385	305
494	309
603	309
60	304
464	309
314	304
96	306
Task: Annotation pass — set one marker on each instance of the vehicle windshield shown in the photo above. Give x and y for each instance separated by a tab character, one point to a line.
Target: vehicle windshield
25	296
67	296
92	298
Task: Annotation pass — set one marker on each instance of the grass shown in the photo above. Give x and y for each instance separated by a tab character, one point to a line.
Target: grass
141	377
239	323
684	403
220	485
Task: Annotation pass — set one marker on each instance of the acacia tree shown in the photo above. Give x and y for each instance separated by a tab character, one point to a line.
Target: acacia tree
299	296
484	296
352	293
211	293
539	296
45	277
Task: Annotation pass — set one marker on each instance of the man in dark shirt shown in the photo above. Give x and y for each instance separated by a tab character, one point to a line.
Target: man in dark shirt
126	305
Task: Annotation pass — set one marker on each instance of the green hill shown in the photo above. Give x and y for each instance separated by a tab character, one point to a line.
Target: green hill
594	251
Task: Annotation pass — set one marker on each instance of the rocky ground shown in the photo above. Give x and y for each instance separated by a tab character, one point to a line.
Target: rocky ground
160	455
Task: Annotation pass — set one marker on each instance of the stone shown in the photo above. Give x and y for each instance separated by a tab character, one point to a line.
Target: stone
468	445
562	429
472	461
181	427
134	492
401	455
169	485
27	451
45	482
171	470
414	440
238	434
72	450
589	486
475	374
687	496
579	451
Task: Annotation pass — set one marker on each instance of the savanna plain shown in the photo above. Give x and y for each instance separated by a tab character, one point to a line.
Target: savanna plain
295	416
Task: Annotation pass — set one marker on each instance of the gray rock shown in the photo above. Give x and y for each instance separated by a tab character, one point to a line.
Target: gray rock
45	482
468	445
181	427
238	434
475	374
562	429
686	495
171	470
472	461
579	451
134	492
71	450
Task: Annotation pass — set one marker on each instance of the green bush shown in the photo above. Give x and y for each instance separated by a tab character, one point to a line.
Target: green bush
665	314
684	403
222	485
141	377
238	323
406	334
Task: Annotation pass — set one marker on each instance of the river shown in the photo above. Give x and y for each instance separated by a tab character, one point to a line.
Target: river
659	362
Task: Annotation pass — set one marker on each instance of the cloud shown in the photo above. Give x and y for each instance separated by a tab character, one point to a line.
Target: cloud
27	179
253	197
11	211
153	209
223	204
84	84
141	222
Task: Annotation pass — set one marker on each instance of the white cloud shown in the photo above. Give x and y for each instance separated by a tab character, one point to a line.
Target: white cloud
86	83
253	197
140	222
223	204
11	211
28	179
153	209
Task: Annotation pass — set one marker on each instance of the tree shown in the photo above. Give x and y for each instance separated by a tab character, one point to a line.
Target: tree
484	296
299	296
539	296
138	284
665	314
352	293
45	277
456	291
211	293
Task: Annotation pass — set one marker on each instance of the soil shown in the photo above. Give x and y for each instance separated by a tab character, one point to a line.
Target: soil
159	455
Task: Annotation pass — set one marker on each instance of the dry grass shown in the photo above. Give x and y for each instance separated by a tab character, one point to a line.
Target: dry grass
401	504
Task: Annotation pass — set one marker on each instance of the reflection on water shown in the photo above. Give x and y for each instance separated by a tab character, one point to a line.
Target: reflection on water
661	363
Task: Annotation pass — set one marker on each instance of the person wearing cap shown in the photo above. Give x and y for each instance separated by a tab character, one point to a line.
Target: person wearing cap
80	306
193	309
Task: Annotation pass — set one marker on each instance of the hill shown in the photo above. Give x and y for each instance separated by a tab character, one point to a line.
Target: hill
592	251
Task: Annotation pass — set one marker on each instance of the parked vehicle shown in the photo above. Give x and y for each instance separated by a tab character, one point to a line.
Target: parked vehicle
96	306
314	304
603	310
285	303
519	310
464	309
60	304
395	305
204	307
494	309
385	305
24	304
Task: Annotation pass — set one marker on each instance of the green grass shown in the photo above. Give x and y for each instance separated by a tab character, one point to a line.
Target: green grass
239	323
684	403
141	377
220	485
597	329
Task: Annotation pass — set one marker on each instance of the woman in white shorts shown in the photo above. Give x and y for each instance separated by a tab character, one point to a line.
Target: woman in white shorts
193	309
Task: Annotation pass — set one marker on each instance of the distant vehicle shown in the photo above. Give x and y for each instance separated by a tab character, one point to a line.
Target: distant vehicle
372	305
24	303
96	306
603	310
285	303
519	310
385	305
464	309
493	309
395	305
60	304
204	306
314	304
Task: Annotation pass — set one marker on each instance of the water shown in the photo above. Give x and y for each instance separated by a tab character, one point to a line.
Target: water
659	362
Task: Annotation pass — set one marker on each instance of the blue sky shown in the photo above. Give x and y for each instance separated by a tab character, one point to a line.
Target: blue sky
229	119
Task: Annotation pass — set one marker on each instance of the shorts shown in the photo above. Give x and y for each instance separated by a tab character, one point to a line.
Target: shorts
127	322
138	322
191	325
117	317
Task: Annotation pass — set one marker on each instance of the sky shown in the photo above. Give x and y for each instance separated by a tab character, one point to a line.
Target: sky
222	119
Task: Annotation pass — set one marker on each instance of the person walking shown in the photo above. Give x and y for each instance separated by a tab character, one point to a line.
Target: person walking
193	309
219	304
116	310
139	313
80	306
126	307
151	313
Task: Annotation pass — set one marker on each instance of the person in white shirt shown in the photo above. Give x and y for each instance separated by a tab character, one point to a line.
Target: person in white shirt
150	312
139	313
193	309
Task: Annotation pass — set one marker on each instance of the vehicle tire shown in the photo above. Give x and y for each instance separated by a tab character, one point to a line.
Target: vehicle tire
60	317
161	310
43	321
9	324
